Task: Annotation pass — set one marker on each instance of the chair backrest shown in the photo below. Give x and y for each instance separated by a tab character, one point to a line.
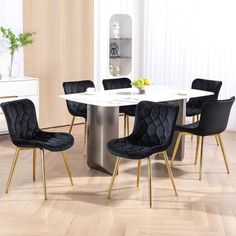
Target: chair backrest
117	83
154	123
76	108
21	119
214	116
206	85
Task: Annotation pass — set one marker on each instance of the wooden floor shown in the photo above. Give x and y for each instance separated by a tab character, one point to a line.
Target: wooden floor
206	207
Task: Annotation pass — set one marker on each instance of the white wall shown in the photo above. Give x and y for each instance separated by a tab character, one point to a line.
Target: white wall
11	16
189	39
103	10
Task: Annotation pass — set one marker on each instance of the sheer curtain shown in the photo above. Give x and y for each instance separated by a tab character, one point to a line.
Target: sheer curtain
188	39
11	16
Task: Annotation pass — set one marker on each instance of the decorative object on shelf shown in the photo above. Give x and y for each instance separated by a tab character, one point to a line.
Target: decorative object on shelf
16	42
112	69
114	50
141	84
116	29
117	70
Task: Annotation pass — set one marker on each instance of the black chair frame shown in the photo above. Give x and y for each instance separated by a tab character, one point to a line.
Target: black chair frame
77	109
23	128
119	83
213	122
152	133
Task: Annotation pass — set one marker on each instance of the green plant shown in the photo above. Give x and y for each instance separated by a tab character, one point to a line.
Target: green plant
16	41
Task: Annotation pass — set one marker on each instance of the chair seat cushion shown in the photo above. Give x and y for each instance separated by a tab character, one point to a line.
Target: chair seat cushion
189	128
52	141
192	111
128	110
126	148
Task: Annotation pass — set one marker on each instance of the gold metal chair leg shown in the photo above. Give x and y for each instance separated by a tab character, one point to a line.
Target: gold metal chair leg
169	171
127	119
43	173
67	167
223	152
149	181
201	157
125	125
113	176
138	173
85	138
72	123
217	140
12	169
197	150
34	163
176	147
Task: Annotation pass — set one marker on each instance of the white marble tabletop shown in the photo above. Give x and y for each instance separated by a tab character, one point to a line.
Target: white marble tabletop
131	96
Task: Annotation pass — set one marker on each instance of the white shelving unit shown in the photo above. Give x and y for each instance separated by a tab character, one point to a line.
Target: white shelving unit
120	45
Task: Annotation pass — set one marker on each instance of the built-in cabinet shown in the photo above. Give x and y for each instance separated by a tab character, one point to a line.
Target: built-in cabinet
15	89
120	45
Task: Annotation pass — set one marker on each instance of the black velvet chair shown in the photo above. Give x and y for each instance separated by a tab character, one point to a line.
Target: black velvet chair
120	83
26	134
213	121
77	109
152	133
194	105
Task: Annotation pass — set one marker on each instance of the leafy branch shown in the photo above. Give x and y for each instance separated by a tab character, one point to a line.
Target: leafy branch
16	42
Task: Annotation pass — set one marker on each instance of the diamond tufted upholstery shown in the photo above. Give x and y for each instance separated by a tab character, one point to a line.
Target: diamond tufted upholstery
117	83
152	133
120	83
194	105
213	120
25	132
76	108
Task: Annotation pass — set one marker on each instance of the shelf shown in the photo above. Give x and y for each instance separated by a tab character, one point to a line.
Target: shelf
112	39
120	57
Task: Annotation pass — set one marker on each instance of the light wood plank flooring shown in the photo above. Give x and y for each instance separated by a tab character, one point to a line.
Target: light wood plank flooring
206	207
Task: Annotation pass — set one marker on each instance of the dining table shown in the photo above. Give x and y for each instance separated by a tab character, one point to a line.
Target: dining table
103	117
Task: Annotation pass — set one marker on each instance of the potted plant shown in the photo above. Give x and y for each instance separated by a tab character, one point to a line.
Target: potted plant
16	42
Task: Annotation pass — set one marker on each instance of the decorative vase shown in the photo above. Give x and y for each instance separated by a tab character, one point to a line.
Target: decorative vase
14	68
117	70
11	63
116	29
